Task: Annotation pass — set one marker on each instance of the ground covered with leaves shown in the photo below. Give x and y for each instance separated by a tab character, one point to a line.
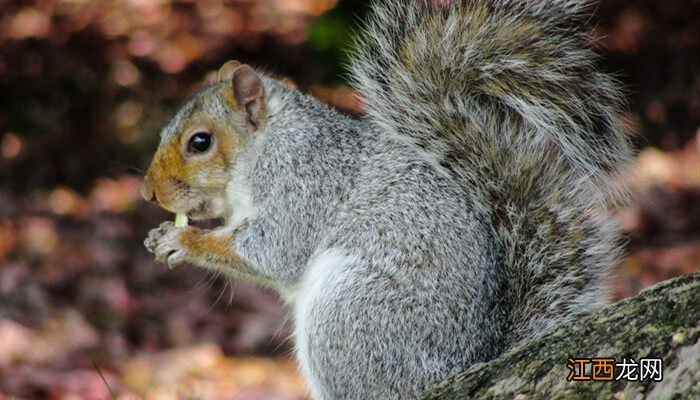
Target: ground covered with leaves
85	312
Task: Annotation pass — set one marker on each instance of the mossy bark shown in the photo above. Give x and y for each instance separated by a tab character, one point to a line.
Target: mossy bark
660	322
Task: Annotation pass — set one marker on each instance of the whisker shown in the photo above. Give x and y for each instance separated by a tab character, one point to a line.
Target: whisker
229	281
285	320
221	292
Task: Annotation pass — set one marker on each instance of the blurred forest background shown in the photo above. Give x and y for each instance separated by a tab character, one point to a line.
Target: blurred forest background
84	88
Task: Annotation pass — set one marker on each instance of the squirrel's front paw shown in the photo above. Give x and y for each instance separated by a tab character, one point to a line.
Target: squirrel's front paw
164	242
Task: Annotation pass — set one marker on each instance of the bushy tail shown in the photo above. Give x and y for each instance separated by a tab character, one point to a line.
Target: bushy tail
506	96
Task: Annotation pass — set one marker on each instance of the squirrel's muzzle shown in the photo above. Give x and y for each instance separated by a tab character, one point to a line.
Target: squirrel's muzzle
148	192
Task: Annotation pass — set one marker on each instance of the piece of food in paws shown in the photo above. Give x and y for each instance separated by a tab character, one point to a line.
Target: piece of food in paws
180	220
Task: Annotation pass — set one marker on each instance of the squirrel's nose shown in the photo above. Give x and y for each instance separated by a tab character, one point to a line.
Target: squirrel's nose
148	193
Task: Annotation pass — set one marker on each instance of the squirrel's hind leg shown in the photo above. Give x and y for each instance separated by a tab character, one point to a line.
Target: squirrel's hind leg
360	333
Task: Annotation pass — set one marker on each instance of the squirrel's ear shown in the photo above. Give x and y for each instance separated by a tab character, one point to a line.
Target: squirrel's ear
249	94
226	71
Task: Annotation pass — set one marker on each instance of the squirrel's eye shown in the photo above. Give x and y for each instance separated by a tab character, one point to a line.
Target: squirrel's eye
200	142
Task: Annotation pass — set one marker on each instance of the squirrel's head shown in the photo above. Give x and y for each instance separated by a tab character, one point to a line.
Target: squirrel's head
192	166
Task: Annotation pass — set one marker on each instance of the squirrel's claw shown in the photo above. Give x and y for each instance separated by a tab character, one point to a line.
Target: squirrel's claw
164	244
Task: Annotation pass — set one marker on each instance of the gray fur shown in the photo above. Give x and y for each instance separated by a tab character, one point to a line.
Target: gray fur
466	213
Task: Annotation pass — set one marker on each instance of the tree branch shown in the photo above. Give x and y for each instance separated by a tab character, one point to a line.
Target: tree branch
660	322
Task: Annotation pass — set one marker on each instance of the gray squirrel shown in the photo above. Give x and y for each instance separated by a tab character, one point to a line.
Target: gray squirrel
465	213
